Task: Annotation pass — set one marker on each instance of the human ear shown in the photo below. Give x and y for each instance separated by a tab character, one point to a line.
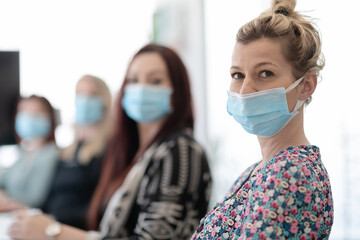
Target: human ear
309	85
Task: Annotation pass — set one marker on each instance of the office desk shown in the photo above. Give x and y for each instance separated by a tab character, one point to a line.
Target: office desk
5	221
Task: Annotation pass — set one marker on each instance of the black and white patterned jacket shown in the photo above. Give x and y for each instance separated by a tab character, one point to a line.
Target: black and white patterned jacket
164	196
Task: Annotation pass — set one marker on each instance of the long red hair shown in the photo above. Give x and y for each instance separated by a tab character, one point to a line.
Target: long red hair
124	142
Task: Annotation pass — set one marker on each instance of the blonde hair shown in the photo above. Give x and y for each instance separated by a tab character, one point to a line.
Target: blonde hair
299	37
98	143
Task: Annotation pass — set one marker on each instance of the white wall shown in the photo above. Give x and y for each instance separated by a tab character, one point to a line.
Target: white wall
59	41
180	25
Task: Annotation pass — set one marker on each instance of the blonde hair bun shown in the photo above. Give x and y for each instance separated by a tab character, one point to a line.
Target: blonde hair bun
287	5
299	36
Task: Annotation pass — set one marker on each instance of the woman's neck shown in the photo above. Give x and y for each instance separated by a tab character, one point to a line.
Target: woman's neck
87	133
147	132
32	144
291	135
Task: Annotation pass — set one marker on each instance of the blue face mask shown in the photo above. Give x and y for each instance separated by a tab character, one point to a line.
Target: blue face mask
30	125
262	113
89	109
146	104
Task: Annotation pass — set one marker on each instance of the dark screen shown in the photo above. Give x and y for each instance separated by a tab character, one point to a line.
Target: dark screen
9	93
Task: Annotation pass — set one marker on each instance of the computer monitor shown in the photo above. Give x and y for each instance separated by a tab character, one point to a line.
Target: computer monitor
9	93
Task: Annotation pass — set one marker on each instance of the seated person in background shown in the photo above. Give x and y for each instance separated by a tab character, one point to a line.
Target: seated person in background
155	182
78	171
27	182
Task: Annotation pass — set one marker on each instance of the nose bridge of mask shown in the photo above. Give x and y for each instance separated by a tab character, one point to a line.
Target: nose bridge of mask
261	102
89	103
148	93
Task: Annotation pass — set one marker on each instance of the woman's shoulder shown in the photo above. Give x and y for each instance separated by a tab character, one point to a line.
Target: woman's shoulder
240	180
49	152
182	137
296	157
299	164
179	133
51	147
297	176
178	146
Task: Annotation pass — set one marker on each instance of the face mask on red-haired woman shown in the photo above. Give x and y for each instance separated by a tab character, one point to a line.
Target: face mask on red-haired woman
146	104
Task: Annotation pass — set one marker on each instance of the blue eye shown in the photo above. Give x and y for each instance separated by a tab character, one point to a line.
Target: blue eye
266	74
237	75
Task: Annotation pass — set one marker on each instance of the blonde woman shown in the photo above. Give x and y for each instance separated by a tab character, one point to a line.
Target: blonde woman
79	170
286	195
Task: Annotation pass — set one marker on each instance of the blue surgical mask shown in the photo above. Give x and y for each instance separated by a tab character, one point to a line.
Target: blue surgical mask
146	104
31	125
262	113
89	109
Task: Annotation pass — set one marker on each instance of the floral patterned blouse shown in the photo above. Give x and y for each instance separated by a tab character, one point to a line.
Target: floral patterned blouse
288	198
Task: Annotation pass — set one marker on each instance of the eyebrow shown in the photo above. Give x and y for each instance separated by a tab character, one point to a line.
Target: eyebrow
265	63
256	66
154	72
234	67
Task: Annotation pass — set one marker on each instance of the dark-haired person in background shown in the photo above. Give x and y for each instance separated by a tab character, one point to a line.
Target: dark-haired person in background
155	183
27	182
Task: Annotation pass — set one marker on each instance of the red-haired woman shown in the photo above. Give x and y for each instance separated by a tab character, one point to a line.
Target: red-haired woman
27	182
155	182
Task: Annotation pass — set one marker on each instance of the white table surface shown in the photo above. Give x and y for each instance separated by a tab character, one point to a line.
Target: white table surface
5	221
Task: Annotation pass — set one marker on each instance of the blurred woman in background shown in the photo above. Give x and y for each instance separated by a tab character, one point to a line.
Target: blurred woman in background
155	183
27	182
78	171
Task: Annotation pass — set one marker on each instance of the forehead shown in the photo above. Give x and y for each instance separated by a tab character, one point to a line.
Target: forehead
31	105
87	87
147	62
261	50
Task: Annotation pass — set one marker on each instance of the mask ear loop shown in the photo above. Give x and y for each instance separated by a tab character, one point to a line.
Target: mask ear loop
291	87
294	85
